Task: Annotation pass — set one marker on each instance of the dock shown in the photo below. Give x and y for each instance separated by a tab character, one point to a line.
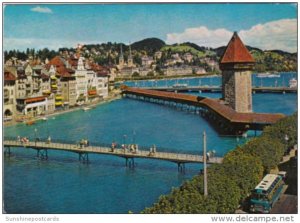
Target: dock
83	151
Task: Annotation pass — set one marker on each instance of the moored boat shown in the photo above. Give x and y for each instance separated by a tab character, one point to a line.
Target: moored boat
179	85
86	108
293	83
30	122
267	74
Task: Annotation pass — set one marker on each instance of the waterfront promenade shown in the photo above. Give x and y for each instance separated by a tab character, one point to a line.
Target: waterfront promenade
83	151
109	99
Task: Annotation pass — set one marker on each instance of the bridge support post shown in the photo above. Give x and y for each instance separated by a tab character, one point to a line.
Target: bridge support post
7	151
130	162
42	154
83	157
181	167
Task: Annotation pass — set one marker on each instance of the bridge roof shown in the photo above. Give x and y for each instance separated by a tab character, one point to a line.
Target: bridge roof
215	105
233	116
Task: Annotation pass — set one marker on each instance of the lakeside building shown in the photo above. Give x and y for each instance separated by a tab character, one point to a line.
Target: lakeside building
9	95
182	70
81	82
35	89
147	61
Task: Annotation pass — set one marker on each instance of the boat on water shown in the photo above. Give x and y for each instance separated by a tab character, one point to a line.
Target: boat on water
30	122
44	118
86	108
7	118
293	83
267	74
180	86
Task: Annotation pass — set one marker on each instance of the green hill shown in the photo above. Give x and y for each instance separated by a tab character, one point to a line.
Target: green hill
149	45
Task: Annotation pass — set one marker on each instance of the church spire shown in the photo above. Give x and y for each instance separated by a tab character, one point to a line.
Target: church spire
130	60
121	53
121	58
130	56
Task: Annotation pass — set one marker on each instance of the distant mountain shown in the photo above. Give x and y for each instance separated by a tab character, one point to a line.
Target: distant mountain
148	45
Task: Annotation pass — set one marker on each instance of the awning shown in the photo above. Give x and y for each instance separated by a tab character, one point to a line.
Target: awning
59	103
36	99
92	92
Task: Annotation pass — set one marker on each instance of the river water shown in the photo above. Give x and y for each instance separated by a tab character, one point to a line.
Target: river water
63	185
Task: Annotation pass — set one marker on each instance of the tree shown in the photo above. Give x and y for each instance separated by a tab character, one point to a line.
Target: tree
243	168
285	130
150	74
135	74
268	150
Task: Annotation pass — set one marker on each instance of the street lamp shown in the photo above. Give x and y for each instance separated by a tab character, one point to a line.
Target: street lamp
35	132
134	134
286	138
124	139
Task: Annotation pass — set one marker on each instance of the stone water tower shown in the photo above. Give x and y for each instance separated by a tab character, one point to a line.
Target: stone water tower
236	65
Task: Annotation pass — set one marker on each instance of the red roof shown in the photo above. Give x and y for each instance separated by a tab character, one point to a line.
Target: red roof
8	76
56	61
236	52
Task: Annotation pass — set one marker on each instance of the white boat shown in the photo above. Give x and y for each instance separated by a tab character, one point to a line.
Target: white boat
86	108
44	118
7	118
180	86
293	83
262	75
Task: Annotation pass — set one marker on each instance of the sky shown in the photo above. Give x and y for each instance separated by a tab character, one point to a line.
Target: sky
266	26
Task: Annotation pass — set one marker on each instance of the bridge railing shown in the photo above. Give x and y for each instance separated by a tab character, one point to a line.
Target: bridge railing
71	143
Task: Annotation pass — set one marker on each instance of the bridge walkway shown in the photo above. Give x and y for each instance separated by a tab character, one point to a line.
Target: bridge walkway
167	156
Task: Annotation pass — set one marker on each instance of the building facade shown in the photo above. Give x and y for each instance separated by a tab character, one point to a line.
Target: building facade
9	94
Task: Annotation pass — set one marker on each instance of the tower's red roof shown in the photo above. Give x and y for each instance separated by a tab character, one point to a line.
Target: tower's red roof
236	52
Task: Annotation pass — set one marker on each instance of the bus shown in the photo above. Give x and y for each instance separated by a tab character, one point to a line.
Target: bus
266	193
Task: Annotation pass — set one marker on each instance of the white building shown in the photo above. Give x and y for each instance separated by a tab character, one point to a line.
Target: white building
102	84
147	61
81	82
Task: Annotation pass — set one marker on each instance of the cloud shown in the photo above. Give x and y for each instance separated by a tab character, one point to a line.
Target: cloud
279	34
36	43
41	9
201	36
